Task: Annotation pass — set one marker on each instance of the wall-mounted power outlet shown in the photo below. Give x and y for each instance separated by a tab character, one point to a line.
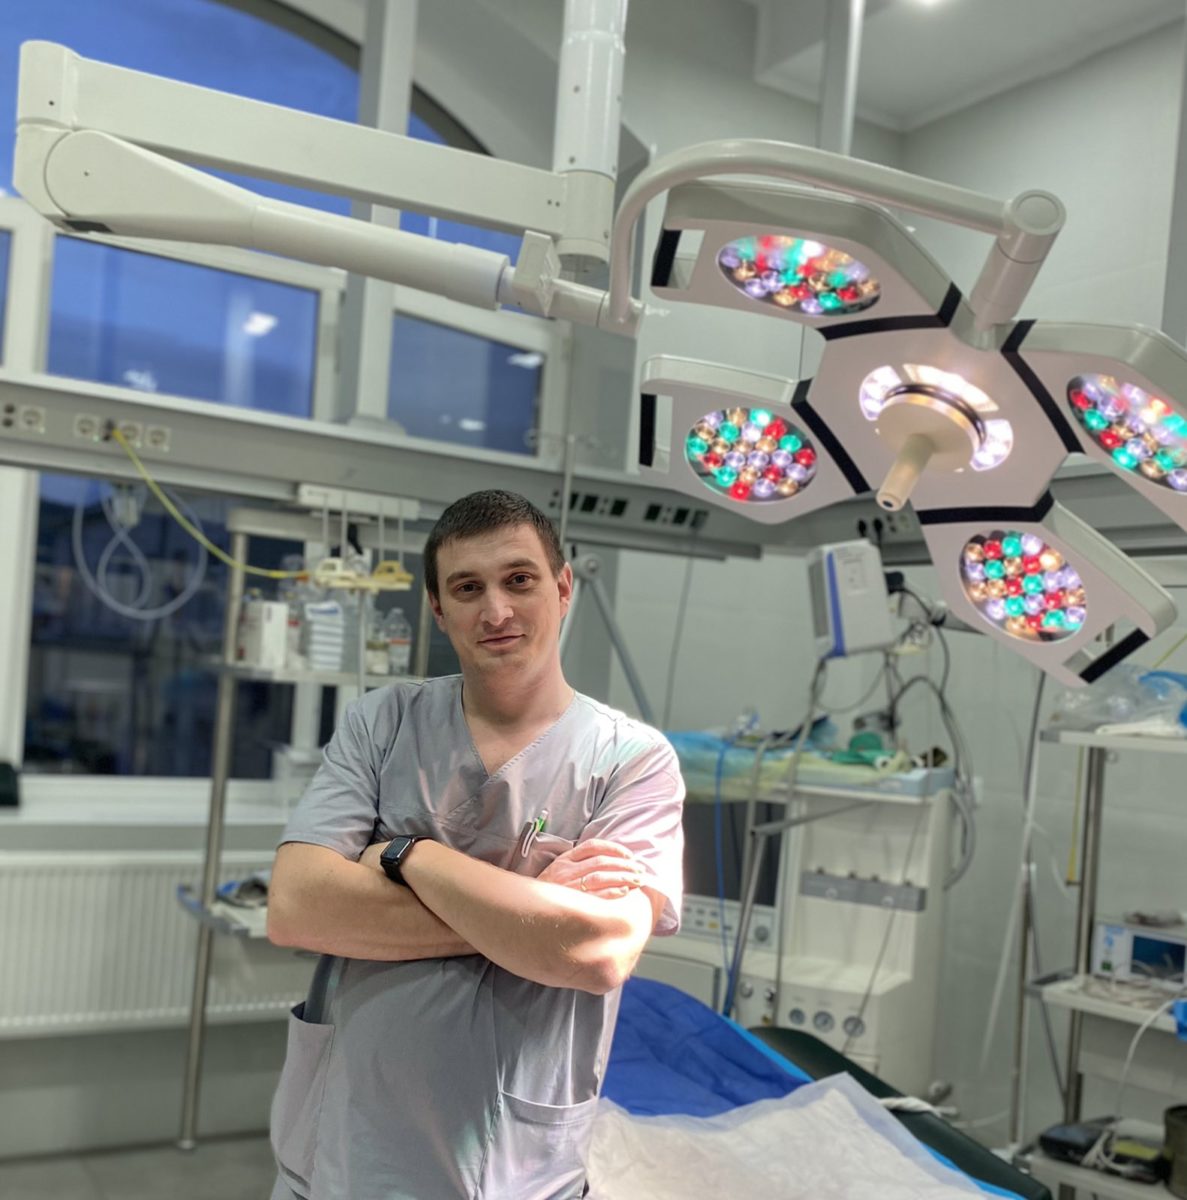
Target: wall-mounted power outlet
133	433
30	418
25	418
88	427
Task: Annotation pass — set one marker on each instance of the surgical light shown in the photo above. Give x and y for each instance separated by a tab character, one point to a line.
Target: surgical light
1023	586
1140	431
798	274
966	410
750	454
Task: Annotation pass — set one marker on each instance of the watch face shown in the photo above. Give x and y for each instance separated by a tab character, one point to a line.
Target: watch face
395	849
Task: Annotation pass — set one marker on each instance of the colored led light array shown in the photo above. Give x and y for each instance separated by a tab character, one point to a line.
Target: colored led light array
750	454
1142	433
1024	586
997	434
798	275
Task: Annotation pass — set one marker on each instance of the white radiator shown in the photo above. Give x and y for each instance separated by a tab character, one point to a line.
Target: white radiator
92	942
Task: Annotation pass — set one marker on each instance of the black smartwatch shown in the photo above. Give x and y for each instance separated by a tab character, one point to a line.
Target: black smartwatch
394	854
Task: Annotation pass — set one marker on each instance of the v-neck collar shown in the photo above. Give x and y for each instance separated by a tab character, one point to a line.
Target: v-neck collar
488	777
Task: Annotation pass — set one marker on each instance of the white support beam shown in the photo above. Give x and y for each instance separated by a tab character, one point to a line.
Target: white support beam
385	96
24	349
62	90
838	84
1174	297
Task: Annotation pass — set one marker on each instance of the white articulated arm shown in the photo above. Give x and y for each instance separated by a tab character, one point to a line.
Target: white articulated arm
92	182
1026	227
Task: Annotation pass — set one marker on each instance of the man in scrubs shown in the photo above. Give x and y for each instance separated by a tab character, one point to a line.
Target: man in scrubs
457	1031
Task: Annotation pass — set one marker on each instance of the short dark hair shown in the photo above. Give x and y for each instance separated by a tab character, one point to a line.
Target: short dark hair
484	512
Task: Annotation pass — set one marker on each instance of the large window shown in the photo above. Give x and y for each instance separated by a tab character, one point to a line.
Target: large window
458	387
114	693
151	323
5	241
108	692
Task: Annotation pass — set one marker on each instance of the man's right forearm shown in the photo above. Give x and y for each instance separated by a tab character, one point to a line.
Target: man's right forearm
320	901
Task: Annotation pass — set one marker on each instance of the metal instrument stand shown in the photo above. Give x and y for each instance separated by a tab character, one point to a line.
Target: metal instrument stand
756	845
587	578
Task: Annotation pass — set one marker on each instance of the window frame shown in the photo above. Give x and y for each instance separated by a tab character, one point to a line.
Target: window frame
25	345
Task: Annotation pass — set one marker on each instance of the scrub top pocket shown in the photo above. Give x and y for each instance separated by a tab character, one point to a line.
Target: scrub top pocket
537	1151
545	848
296	1107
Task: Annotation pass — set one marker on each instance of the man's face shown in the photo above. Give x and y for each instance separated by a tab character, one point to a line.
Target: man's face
499	602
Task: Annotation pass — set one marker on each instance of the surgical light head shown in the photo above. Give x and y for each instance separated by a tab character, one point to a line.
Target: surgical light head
915	400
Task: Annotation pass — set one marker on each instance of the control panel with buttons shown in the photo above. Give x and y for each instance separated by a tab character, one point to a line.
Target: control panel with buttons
701	917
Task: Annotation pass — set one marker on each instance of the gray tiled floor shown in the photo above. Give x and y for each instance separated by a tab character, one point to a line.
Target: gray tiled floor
219	1169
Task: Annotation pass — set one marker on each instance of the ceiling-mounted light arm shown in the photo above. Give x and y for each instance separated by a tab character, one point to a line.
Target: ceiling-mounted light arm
1025	227
1032	222
588	122
97	183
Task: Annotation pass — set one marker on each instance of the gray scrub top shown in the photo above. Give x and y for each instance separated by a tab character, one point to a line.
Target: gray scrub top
444	1078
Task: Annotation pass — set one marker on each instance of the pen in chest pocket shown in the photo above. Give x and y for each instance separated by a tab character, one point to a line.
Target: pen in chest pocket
532	830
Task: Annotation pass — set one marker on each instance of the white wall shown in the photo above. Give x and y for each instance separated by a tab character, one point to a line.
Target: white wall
1102	136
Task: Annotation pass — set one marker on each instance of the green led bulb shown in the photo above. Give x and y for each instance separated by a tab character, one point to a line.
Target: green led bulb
725	476
1054	620
1123	458
1011	546
995	569
1096	421
791	443
761	416
728	430
1176	424
1165	460
1015	606
1032	585
697	445
829	301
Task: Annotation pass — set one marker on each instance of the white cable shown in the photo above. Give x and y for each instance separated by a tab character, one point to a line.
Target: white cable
137	614
1133	1045
124	539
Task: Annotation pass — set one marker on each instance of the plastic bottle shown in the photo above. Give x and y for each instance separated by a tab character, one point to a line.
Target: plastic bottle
398	633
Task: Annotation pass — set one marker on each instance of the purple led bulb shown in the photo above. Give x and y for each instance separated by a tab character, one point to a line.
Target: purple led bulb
782	459
758	460
735	459
996	609
755	288
1178	480
1034	605
1031	544
974	571
763	489
751	432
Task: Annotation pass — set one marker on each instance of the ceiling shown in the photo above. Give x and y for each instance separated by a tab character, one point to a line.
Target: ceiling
924	60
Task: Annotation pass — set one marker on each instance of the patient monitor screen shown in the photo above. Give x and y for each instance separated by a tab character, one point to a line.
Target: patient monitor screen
700	851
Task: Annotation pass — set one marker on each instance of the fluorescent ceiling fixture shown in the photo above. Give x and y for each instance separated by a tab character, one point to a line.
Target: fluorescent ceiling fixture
259	324
526	358
471	424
